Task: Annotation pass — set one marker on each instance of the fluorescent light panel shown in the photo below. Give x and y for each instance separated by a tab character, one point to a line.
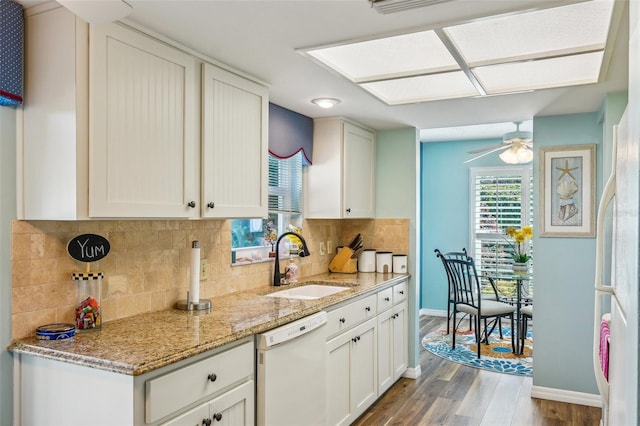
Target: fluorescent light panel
549	32
422	88
389	57
548	48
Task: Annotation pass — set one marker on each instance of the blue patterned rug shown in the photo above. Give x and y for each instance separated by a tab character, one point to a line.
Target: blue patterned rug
496	356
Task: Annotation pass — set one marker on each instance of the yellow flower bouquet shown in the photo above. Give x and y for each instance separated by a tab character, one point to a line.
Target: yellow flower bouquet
520	248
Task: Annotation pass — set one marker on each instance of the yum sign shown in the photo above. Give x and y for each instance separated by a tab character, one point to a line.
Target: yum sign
88	247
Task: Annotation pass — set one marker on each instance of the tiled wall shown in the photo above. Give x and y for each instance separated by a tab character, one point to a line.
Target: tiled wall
147	268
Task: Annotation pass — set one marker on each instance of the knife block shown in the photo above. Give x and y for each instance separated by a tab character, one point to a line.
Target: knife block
343	263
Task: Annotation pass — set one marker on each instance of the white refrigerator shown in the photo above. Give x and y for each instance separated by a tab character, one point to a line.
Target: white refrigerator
616	283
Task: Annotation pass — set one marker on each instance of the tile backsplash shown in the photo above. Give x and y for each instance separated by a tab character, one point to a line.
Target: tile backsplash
147	268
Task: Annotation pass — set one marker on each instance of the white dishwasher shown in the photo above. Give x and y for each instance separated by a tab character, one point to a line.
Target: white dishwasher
291	373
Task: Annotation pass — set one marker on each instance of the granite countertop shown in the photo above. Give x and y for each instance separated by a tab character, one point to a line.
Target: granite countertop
142	343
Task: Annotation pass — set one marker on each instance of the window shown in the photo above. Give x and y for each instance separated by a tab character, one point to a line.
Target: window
250	239
500	197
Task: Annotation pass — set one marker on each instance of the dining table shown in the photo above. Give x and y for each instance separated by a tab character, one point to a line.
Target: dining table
523	297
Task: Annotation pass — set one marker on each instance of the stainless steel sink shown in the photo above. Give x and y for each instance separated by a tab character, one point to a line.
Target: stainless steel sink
308	292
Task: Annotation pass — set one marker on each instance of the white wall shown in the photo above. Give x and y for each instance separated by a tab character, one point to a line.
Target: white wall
7	214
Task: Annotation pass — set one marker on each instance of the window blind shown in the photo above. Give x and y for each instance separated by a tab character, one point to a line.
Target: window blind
500	198
285	184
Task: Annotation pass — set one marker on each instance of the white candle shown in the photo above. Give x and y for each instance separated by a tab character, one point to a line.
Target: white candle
194	288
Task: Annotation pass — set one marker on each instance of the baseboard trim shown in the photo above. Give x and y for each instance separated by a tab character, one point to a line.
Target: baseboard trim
433	313
561	395
412	373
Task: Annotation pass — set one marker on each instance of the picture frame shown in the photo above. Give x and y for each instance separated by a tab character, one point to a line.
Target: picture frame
568	191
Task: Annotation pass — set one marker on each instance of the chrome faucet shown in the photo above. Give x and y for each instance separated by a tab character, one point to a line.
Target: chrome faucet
277	276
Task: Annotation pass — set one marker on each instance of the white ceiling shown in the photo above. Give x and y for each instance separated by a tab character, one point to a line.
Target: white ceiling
262	38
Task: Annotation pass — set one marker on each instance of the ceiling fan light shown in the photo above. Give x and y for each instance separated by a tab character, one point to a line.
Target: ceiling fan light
517	155
509	156
524	155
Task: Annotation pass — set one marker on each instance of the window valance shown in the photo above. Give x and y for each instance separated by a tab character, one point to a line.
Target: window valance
11	30
289	133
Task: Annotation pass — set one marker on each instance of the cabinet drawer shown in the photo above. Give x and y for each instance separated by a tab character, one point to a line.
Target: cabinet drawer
354	313
180	388
399	292
385	299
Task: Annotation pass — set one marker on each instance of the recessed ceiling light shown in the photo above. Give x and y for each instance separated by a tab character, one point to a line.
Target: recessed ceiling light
326	102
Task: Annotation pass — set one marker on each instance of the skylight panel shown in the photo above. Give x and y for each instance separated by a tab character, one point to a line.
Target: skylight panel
390	57
573	28
541	74
422	88
540	49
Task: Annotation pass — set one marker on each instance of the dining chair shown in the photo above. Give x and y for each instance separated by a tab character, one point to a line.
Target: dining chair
526	313
468	299
493	295
450	296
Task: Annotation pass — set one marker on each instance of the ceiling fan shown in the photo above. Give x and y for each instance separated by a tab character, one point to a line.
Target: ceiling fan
516	147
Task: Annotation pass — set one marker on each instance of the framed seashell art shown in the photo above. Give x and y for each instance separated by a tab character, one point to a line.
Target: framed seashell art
567	191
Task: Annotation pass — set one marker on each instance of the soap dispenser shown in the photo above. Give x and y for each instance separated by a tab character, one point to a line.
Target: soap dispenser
291	274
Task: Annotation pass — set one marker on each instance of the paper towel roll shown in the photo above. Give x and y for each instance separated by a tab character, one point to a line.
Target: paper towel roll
194	288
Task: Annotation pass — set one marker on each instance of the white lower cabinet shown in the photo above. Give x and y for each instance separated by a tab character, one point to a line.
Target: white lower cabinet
235	407
351	386
215	387
367	351
392	346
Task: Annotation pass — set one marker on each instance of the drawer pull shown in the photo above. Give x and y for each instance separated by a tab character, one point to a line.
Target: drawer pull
342	320
355	339
368	308
191	204
212	377
206	422
401	292
217	416
211	205
386	299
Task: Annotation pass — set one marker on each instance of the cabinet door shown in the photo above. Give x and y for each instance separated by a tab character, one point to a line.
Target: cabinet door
235	407
364	390
385	351
142	140
400	341
194	417
359	179
234	163
338	380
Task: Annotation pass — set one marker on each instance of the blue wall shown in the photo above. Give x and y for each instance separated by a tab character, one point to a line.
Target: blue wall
564	297
445	210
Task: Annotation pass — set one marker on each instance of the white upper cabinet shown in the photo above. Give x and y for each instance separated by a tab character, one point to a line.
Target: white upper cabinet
119	124
143	144
341	181
234	145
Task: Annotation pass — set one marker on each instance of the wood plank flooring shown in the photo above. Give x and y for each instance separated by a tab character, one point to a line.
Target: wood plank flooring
447	393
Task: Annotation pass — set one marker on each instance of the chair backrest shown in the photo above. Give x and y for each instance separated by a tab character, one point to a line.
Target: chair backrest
464	280
451	255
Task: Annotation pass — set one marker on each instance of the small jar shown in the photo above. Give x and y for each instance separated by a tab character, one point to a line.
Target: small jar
89	300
